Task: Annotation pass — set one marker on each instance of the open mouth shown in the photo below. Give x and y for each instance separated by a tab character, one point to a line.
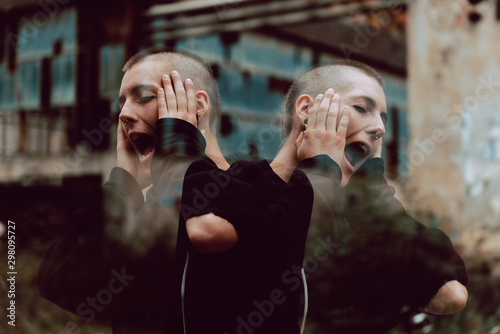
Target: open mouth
356	152
144	143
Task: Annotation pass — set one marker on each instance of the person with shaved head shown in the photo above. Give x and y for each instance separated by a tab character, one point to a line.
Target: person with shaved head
374	264
384	265
116	261
139	108
359	87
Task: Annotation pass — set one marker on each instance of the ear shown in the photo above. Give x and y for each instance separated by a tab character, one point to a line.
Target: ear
202	104
302	106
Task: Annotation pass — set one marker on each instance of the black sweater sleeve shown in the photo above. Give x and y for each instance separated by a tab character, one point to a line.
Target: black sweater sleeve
207	189
324	166
81	263
387	265
250	195
369	190
426	257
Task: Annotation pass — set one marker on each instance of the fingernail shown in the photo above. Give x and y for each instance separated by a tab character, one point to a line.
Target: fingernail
175	72
336	96
189	80
165	77
160	90
330	90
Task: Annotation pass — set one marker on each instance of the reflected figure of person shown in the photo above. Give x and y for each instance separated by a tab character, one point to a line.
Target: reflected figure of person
379	265
116	260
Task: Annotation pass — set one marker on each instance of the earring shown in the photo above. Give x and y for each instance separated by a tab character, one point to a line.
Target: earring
304	121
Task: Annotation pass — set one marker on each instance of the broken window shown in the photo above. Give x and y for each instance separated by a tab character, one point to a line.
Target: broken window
112	58
63	92
37	82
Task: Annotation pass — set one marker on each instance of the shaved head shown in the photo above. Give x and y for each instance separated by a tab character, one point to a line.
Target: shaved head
337	75
188	66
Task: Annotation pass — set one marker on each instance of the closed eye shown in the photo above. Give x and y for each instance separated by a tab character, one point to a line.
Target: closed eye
146	99
360	109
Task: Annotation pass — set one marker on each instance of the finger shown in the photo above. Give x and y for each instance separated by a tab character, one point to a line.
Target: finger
299	139
344	123
323	109
180	93
377	148
162	104
122	139
191	97
120	135
169	95
333	114
122	143
313	112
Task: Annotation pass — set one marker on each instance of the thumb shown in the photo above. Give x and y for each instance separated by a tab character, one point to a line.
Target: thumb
299	140
119	132
121	139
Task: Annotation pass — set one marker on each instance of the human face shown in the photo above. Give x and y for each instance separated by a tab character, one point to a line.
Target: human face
366	99
139	108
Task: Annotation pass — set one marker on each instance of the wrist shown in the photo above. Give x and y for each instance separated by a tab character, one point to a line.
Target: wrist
337	157
126	183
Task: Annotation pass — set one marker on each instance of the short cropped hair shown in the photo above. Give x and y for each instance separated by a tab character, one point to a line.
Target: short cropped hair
317	80
189	66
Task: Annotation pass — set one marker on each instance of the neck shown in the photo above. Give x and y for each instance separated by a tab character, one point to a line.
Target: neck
213	150
286	160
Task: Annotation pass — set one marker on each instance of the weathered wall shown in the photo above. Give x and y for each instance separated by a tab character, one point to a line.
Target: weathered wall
453	162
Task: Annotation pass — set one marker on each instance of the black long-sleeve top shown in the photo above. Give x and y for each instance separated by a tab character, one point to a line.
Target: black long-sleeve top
116	260
384	265
256	285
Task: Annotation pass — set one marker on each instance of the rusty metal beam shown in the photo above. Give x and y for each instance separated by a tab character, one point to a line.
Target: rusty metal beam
212	23
186	6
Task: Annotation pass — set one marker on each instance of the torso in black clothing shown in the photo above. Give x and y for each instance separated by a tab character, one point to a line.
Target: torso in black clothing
252	286
116	261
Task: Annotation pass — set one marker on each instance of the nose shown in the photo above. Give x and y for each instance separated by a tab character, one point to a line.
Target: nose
377	129
127	115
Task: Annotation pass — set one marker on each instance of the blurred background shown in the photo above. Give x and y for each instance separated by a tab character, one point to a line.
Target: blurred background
60	74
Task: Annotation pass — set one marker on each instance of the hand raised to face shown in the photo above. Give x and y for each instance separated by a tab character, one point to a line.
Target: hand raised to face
322	135
128	159
177	100
377	149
